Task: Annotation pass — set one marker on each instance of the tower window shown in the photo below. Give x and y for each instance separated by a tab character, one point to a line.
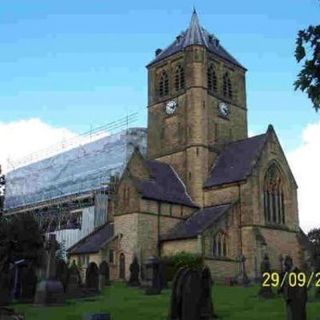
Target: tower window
274	196
212	79
179	78
227	86
164	84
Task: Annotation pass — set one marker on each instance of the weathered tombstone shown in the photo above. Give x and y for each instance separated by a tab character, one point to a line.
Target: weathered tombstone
62	273
92	277
28	280
134	273
96	316
243	279
206	304
191	297
104	275
153	276
295	296
265	268
10	314
73	289
50	290
5	287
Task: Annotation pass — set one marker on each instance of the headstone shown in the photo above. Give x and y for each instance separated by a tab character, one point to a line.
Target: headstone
92	277
104	275
10	314
295	296
206	304
28	280
265	292
50	290
96	316
243	279
73	288
191	297
4	287
153	276
62	273
134	273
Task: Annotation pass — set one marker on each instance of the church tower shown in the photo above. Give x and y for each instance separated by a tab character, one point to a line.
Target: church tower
196	104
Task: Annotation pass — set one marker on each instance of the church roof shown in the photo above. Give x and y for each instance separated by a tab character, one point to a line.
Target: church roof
164	185
82	169
197	223
196	35
236	161
95	241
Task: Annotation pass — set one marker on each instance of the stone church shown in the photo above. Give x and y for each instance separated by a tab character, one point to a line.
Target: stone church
202	185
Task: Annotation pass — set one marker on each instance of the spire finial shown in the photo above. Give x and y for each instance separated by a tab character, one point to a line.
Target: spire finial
194	10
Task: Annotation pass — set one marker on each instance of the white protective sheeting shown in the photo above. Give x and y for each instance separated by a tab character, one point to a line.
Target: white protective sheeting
85	168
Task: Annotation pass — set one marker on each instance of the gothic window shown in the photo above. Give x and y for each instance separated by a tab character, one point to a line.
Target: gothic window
219	248
274	196
164	84
179	78
227	86
212	79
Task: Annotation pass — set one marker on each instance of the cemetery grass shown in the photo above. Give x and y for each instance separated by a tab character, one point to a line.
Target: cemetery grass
123	303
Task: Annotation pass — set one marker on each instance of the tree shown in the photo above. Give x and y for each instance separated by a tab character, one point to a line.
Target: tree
308	49
20	238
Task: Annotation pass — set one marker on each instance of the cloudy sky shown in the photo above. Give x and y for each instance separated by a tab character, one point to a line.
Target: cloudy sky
68	66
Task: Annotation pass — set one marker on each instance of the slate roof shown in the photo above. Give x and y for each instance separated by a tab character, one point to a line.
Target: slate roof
95	241
164	185
196	35
82	169
197	223
235	162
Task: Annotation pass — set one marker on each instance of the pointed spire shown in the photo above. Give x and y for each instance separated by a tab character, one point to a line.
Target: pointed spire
194	33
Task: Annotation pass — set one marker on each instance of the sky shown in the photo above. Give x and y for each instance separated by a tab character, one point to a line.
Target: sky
68	66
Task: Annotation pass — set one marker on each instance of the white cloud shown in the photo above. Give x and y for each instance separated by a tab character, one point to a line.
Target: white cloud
305	164
21	138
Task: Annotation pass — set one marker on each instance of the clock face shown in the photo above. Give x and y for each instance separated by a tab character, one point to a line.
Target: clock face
224	109
171	107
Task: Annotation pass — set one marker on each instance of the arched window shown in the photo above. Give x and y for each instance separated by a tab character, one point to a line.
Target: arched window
212	79
179	78
219	248
227	86
164	84
274	211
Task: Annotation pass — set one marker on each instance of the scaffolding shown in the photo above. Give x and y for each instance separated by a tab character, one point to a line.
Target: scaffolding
80	165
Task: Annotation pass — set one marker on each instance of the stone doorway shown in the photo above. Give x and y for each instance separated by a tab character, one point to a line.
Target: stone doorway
122	266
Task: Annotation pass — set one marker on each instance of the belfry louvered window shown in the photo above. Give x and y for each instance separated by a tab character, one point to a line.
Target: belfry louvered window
212	79
274	210
164	84
227	86
179	80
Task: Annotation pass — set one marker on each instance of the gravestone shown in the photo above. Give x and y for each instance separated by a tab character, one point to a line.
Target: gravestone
96	316
73	288
50	290
206	304
5	287
28	280
134	273
10	314
265	292
191	295
62	273
104	275
153	276
295	296
92	277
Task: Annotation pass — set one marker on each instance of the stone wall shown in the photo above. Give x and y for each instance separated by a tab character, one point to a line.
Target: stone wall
170	248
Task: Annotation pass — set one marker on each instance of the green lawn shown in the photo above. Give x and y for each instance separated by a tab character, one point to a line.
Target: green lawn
124	303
